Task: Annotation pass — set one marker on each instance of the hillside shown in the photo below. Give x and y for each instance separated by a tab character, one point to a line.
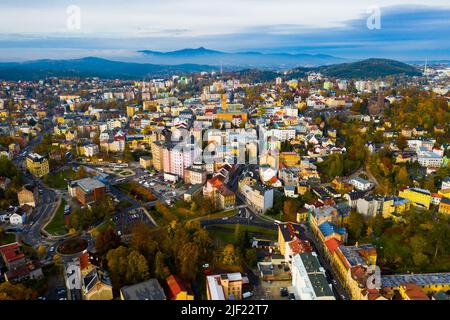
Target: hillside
370	68
92	67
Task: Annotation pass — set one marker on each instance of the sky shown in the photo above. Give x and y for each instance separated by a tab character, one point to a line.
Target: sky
408	30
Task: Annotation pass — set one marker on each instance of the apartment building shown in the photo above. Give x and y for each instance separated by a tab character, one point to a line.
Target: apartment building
225	286
37	165
418	197
258	196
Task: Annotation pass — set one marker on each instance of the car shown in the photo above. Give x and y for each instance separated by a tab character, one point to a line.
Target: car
284	292
224	219
291	296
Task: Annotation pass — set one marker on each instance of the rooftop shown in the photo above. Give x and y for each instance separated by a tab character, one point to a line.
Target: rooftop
419	279
147	290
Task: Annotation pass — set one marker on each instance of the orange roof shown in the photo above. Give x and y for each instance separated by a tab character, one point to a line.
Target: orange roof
332	244
414	292
175	287
300	246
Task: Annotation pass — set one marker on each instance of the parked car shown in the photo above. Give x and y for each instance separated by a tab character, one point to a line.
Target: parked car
284	292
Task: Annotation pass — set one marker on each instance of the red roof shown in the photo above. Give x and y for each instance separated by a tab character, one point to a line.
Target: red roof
11	252
175	286
332	244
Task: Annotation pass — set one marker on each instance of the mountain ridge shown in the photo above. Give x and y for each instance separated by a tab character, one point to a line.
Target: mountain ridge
103	68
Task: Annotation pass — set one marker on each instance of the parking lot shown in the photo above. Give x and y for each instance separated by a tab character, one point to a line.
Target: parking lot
163	189
270	290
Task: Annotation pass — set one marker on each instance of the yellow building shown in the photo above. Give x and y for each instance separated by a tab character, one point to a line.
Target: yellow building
157	154
37	165
444	206
290	159
145	161
131	111
418	197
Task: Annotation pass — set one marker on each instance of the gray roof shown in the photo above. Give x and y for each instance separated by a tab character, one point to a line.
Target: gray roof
147	290
419	279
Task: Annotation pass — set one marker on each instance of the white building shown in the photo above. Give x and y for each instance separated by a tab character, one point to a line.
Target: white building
361	184
308	278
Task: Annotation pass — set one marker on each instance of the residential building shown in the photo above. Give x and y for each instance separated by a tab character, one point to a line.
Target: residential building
361	184
308	278
259	197
225	286
194	175
145	161
37	165
444	206
28	196
418	197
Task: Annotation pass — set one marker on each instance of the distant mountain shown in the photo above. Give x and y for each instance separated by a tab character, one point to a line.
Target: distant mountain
96	67
239	59
92	67
370	68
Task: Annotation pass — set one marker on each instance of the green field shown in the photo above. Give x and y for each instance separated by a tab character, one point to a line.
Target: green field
56	227
7	238
225	233
58	180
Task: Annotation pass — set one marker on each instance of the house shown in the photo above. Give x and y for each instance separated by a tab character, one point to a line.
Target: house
19	268
147	290
28	196
361	184
290	192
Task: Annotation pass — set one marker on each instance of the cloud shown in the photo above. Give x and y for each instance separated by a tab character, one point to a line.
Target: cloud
408	30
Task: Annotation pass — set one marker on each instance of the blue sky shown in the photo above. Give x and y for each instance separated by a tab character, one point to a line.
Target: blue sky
116	28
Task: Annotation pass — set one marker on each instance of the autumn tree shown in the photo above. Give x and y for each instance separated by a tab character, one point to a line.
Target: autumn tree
10	291
126	267
107	240
229	255
161	269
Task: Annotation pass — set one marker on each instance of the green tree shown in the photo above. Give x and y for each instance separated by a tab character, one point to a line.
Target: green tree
355	225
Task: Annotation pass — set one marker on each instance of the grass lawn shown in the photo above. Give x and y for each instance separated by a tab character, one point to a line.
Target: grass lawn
7	238
219	215
57	181
57	227
225	233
